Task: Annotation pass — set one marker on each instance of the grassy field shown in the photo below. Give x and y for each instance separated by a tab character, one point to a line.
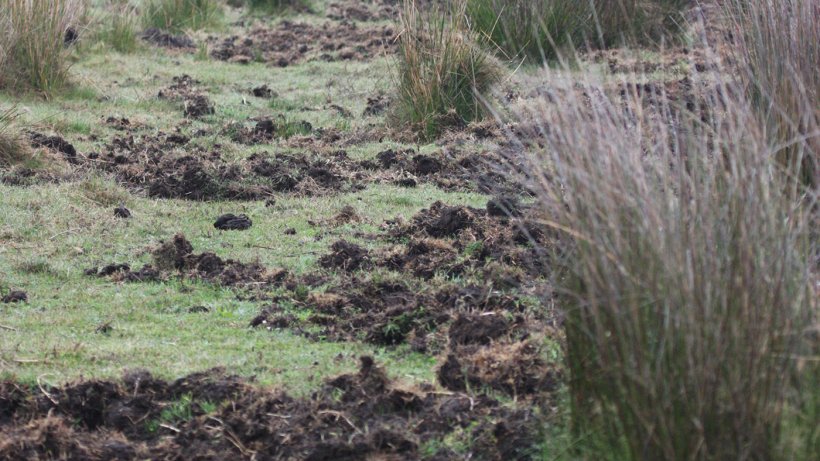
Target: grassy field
421	264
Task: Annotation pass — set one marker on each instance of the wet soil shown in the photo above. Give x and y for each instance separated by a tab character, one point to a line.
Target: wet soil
289	43
363	415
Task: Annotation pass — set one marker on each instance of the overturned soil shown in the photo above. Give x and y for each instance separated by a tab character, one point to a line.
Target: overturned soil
176	257
289	43
477	327
214	416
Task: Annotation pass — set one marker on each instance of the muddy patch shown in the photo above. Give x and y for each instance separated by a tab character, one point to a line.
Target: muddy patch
362	415
289	43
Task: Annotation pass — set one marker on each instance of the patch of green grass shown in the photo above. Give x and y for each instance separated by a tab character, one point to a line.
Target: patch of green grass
279	6
542	30
118	30
60	228
180	15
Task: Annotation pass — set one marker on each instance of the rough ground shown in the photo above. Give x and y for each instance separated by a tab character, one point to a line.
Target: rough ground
226	249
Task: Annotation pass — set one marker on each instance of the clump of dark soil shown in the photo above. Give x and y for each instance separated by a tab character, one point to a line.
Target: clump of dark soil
288	43
376	105
122	212
362	415
15	296
449	239
263	92
346	256
178	254
166	165
161	38
233	222
55	143
176	257
391	312
184	89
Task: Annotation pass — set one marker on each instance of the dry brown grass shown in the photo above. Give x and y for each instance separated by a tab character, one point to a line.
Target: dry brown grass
688	279
778	49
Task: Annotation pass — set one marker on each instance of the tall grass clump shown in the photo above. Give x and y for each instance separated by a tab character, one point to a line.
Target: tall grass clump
441	70
778	48
541	29
118	29
279	6
688	282
12	150
179	15
33	48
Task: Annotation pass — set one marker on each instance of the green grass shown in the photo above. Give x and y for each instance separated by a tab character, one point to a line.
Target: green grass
544	30
50	234
279	6
181	15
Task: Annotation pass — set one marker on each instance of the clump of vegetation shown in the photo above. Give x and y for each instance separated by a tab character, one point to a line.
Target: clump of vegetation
118	30
279	6
178	15
12	151
778	46
35	42
541	29
689	273
441	70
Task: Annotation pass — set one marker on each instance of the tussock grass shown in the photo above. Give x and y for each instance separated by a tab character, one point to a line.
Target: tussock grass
778	48
33	48
179	15
12	150
688	283
541	29
441	69
118	29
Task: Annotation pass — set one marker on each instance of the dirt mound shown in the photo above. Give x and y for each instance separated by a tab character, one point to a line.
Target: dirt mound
517	368
346	256
363	415
121	212
184	89
288	43
167	165
176	257
233	222
396	311
55	143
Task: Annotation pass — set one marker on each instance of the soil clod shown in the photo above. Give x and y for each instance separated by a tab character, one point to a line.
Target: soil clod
122	212
233	222
15	296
